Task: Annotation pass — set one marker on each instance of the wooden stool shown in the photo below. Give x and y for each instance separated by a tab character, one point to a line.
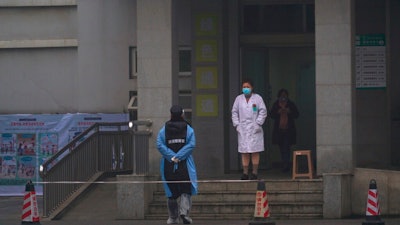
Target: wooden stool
306	153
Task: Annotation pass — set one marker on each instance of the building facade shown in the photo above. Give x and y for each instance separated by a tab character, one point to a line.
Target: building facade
337	58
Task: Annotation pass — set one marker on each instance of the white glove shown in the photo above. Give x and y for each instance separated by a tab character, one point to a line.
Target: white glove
175	160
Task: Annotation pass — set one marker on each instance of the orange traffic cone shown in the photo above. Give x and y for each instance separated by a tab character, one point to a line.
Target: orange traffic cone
30	212
373	212
261	212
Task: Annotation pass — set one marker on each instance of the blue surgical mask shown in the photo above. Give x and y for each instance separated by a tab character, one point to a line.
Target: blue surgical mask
246	91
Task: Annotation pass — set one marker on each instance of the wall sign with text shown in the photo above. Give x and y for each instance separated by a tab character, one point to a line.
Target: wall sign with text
370	61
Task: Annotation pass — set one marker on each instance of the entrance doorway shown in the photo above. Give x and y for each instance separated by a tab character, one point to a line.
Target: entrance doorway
292	68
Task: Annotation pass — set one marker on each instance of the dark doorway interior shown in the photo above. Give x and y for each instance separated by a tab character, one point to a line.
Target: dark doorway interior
292	68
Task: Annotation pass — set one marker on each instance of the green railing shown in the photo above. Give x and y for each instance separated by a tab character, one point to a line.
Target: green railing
103	149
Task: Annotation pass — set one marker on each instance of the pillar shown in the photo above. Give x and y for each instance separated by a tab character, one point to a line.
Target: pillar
155	71
334	85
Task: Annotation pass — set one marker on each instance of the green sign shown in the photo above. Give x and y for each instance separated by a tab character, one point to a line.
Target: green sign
370	40
370	65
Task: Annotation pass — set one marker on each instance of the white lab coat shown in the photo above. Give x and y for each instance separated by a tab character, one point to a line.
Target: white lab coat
248	118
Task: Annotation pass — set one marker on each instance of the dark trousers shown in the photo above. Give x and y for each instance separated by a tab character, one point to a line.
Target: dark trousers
178	189
284	147
178	174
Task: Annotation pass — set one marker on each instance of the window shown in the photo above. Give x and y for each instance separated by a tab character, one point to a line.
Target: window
277	19
132	105
185	61
132	62
185	81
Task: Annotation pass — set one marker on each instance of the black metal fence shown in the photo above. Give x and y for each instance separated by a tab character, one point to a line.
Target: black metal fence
103	148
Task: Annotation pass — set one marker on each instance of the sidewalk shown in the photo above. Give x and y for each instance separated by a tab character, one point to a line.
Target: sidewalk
206	222
11	209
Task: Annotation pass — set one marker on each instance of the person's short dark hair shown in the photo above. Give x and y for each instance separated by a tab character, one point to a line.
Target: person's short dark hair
283	90
176	111
247	80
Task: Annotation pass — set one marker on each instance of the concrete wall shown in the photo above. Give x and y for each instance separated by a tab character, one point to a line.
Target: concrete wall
38	80
30	23
137	191
394	81
209	129
106	30
66	57
372	115
388	187
346	194
38	71
337	195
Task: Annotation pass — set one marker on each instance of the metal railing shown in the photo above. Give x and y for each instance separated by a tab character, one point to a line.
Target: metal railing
104	148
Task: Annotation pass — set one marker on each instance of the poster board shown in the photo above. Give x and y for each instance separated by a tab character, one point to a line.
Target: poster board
370	61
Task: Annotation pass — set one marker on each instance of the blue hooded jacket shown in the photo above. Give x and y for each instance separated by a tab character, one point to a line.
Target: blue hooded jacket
184	153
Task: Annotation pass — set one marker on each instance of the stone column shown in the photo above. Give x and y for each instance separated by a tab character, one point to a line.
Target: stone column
334	45
154	82
337	195
154	48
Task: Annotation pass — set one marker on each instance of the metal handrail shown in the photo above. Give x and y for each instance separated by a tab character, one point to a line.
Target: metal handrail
103	148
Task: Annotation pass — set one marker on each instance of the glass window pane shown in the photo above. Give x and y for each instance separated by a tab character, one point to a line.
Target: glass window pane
185	83
185	61
185	100
282	19
251	19
277	19
133	112
132	62
310	18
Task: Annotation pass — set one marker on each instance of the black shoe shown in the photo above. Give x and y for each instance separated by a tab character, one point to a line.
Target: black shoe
244	177
253	176
186	219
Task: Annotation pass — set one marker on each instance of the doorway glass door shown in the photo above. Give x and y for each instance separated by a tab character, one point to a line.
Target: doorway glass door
255	66
292	68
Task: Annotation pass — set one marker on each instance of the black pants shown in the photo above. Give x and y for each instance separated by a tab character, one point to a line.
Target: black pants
178	174
284	146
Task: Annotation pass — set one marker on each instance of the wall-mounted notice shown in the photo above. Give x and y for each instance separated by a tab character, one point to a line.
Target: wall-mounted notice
207	105
370	61
207	77
206	51
27	140
206	24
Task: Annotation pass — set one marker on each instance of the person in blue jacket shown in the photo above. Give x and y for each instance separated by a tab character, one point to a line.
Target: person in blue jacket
176	142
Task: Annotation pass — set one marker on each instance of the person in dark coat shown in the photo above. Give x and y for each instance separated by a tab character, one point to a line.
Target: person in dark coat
176	142
284	112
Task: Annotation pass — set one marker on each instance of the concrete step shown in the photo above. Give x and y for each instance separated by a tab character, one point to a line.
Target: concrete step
270	185
242	207
222	200
239	216
245	196
216	200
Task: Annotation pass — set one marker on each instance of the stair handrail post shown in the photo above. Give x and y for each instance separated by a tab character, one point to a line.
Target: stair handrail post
134	127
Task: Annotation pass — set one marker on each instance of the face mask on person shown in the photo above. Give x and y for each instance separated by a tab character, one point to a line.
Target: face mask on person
246	91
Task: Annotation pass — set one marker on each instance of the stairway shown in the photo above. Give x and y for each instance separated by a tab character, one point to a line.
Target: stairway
97	203
288	199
